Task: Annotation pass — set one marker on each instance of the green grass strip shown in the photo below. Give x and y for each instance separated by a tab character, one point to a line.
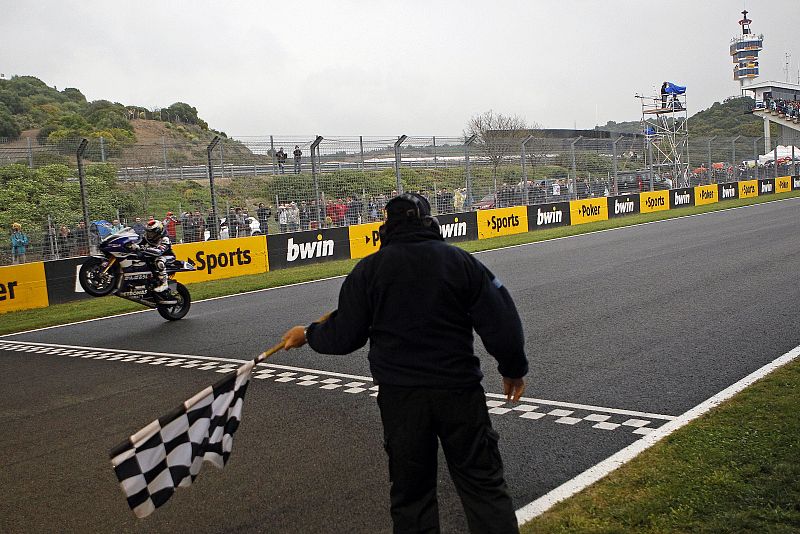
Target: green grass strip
101	307
736	469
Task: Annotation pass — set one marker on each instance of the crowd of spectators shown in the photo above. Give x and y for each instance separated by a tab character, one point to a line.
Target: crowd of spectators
790	109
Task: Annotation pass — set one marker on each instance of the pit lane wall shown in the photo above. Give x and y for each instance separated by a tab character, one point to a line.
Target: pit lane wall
39	284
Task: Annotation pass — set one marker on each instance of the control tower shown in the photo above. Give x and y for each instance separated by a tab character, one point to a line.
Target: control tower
744	52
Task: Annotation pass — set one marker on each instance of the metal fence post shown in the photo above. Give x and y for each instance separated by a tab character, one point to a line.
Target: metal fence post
102	149
614	163
775	159
710	166
30	153
214	230
397	160
525	171
81	181
318	207
272	156
755	156
574	167
794	163
733	159
470	200
361	149
434	152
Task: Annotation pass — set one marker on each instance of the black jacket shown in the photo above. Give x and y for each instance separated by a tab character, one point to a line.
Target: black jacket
417	300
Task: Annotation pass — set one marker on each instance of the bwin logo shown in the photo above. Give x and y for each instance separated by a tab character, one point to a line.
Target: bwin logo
455	229
315	249
796	182
548	217
728	192
623	207
683	199
766	187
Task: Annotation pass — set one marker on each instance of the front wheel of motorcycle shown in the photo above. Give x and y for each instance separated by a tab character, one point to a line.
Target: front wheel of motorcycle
173	312
96	278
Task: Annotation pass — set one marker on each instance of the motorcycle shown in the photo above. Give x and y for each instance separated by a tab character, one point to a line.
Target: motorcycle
120	270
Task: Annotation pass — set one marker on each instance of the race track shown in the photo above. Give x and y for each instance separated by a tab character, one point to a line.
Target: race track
625	330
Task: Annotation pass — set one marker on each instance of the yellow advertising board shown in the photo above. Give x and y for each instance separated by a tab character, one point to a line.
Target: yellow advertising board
783	184
224	258
364	239
502	221
650	201
588	210
23	287
706	194
748	188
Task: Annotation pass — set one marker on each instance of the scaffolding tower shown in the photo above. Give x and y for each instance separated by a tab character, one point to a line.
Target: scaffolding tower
666	133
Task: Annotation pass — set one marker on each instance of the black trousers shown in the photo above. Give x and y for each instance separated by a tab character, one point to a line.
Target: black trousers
413	420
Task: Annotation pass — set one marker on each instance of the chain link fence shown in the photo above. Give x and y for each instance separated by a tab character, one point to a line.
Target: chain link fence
68	195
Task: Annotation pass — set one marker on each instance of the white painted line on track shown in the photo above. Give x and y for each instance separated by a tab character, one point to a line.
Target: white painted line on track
343	275
309	376
651	437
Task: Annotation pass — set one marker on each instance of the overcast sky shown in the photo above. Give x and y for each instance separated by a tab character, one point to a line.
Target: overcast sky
389	68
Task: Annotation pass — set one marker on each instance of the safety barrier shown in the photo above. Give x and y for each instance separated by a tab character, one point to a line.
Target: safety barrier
39	284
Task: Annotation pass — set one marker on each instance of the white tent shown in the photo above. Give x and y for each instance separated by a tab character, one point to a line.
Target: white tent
783	152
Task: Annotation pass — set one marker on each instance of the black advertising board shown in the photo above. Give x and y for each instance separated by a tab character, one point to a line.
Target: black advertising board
728	191
312	246
62	280
623	205
458	226
548	215
766	187
681	198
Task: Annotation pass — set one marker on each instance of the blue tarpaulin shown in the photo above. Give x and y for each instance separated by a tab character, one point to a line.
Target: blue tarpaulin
673	89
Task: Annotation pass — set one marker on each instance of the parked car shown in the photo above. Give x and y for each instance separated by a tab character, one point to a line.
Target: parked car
486	203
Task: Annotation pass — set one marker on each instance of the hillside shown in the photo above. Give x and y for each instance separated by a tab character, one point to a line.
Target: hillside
727	119
28	105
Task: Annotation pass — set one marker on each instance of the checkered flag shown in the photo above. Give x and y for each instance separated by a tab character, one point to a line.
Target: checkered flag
169	452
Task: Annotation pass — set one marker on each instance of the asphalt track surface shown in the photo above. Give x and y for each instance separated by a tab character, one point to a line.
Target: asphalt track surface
625	329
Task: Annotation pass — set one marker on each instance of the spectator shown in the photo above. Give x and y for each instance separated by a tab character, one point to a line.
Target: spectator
297	155
19	242
138	226
189	225
458	200
199	223
81	239
116	226
293	217
305	216
281	157
262	214
242	226
351	213
664	95
556	190
65	242
170	223
283	218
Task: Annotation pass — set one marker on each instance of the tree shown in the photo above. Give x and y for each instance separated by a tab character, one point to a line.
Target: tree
8	126
498	136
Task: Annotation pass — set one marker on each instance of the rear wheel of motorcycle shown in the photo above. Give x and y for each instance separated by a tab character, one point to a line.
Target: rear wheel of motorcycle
173	312
96	282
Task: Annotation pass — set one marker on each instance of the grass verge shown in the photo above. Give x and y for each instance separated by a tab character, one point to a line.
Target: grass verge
102	307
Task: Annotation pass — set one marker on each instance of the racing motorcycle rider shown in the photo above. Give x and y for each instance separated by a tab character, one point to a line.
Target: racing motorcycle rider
154	248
